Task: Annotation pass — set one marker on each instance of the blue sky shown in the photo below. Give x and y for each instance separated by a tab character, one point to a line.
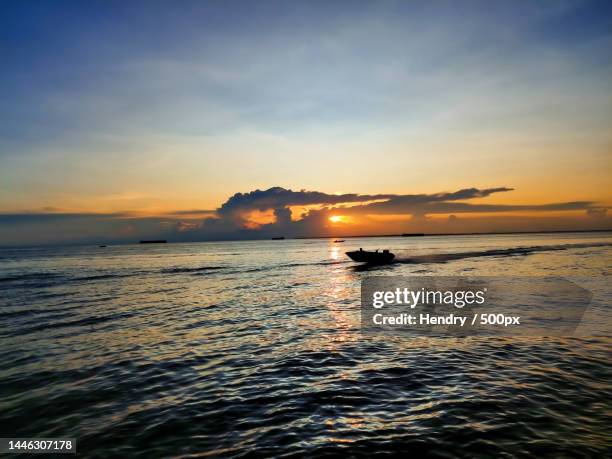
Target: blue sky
279	65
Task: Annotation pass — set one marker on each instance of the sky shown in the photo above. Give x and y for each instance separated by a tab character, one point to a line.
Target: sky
125	120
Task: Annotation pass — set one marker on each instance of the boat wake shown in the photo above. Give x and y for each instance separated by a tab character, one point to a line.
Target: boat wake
511	252
195	270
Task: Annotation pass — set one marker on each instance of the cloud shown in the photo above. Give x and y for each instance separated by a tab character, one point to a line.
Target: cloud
237	218
40	217
235	215
280	200
597	212
443	207
192	212
278	197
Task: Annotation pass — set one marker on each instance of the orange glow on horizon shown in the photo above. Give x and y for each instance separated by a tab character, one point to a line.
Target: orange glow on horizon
257	217
383	218
340	219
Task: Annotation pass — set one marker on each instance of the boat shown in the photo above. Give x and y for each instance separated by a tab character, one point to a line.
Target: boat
373	258
153	241
280	238
339	240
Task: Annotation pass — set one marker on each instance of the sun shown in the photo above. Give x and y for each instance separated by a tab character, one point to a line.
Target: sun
338	219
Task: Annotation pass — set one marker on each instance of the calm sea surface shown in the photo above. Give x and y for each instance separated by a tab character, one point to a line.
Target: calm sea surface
240	349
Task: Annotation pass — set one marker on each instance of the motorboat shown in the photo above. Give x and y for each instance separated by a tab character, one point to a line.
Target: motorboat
371	257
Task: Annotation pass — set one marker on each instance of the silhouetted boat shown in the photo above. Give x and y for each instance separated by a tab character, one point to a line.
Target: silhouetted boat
412	234
339	240
154	241
101	246
373	258
280	238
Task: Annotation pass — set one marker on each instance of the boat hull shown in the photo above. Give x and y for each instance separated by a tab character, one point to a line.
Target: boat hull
373	258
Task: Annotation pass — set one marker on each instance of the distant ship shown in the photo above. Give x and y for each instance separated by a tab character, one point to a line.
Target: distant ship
339	240
280	238
373	258
412	234
153	241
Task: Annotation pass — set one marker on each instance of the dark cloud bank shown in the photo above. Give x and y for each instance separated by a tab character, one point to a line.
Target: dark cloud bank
234	219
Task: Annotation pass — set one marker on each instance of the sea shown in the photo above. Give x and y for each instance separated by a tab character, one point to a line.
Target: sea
254	349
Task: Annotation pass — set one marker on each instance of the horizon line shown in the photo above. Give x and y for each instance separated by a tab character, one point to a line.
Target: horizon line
490	233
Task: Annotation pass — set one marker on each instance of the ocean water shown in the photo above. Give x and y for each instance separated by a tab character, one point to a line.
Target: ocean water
253	349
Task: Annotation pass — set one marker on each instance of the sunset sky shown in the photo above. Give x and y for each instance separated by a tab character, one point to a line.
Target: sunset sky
125	120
